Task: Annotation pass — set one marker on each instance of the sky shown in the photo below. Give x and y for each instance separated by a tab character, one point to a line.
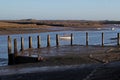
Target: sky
60	9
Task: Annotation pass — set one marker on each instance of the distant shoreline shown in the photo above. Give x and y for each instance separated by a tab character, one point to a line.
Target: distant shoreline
38	26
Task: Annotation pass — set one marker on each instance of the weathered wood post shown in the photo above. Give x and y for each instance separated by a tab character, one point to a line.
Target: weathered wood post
86	38
118	39
57	40
30	42
10	55
48	40
71	39
38	41
102	39
15	48
30	45
9	45
22	43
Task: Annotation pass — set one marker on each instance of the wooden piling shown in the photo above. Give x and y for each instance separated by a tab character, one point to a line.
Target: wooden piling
48	40
11	59
15	48
10	55
102	39
57	40
30	42
38	42
22	43
86	38
118	39
71	39
9	45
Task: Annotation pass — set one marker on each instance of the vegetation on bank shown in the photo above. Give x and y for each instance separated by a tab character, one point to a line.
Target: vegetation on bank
32	25
111	22
61	23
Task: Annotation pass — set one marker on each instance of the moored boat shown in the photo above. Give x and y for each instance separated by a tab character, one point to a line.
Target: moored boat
65	37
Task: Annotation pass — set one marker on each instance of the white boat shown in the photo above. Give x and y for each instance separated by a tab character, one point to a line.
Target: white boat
98	28
65	37
112	29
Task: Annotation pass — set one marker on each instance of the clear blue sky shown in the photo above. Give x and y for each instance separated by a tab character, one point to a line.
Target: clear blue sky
60	9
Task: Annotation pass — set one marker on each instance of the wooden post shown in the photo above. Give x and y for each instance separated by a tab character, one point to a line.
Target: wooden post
86	38
71	39
48	40
10	55
38	43
118	39
57	40
15	48
9	45
22	43
30	42
102	39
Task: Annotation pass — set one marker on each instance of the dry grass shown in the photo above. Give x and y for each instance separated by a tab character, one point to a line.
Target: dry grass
62	23
15	25
37	26
14	28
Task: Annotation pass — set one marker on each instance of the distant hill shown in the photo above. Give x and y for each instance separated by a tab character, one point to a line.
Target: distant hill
27	20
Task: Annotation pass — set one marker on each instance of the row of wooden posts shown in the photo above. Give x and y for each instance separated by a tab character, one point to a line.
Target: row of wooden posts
48	43
30	43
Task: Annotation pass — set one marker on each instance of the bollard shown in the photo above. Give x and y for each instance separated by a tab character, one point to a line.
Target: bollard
57	40
48	40
38	41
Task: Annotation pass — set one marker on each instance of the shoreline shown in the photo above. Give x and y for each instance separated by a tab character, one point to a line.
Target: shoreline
38	26
31	30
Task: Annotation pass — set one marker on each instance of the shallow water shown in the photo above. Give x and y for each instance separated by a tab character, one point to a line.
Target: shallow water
79	39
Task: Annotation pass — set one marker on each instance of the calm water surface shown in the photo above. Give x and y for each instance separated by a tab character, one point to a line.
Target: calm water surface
79	39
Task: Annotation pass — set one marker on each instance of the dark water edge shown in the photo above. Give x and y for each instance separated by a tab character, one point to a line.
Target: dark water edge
3	62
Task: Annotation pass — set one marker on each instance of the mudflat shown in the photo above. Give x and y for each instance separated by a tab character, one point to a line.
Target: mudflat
37	26
85	63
